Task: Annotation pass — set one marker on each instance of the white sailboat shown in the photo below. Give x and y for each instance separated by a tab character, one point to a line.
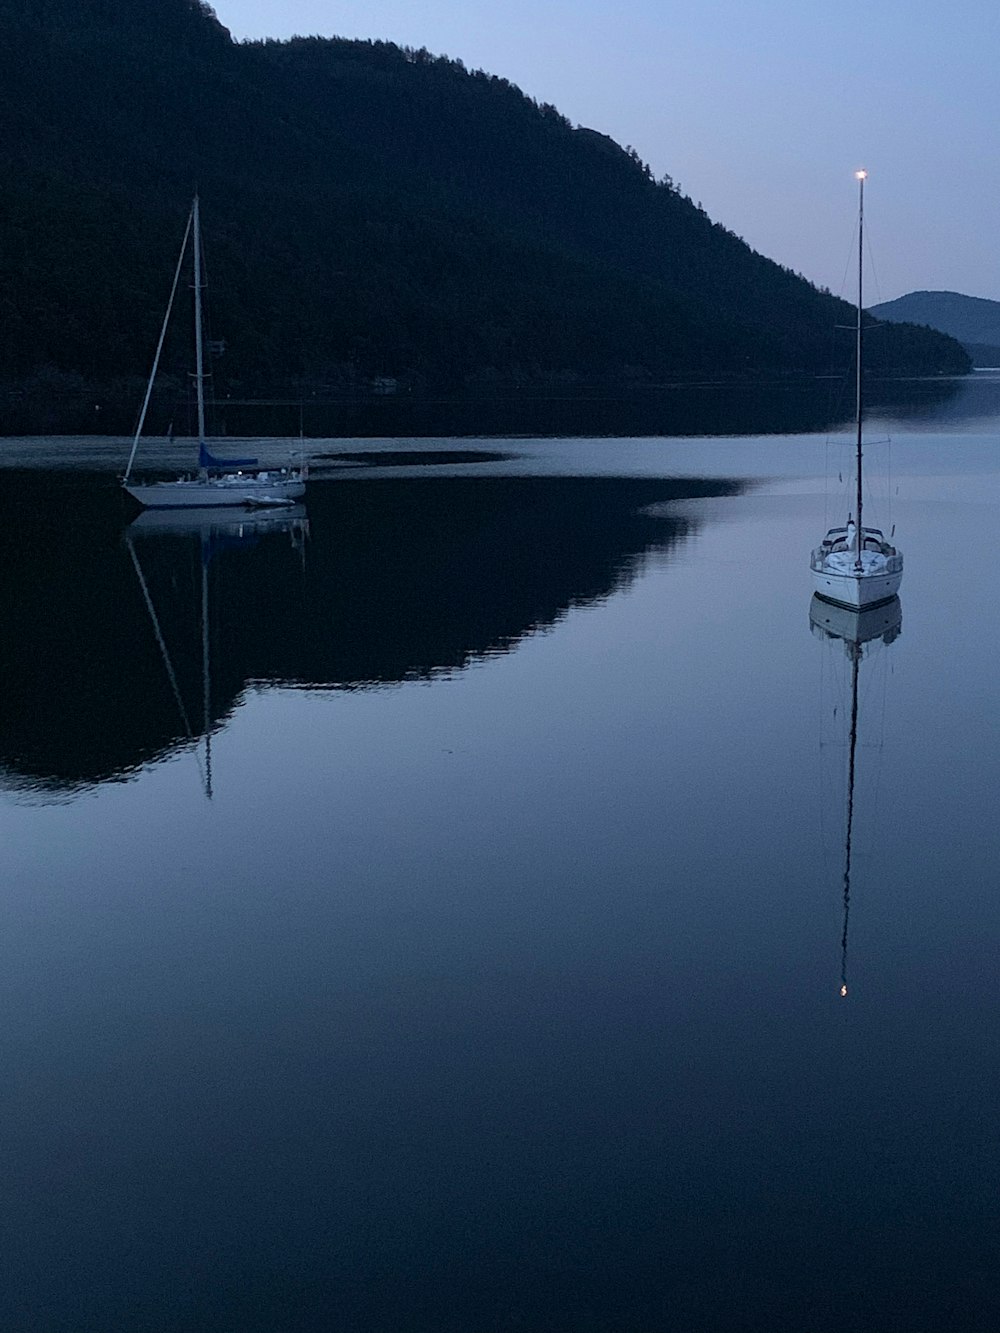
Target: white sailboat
855	566
218	482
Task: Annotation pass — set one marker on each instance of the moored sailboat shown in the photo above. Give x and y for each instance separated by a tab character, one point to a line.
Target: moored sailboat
218	482
856	566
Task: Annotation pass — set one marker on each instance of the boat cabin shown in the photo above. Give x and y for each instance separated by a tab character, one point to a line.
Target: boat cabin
842	539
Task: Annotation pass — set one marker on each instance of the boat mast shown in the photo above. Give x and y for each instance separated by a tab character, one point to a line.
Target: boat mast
858	535
199	349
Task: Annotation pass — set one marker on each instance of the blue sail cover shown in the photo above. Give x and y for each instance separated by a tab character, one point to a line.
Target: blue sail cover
207	460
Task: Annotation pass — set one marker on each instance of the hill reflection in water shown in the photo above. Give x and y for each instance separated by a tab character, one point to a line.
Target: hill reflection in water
400	580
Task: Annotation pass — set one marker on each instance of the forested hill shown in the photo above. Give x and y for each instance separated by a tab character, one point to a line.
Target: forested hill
973	320
369	211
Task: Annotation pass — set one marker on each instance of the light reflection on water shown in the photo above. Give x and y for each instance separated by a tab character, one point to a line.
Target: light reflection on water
497	984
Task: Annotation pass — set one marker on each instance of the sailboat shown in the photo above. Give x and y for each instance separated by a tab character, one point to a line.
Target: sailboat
855	629
218	482
855	566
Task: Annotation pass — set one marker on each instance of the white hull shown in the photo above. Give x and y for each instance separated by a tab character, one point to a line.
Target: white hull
228	491
856	591
856	570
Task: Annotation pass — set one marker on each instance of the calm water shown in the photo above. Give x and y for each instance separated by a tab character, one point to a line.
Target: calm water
423	913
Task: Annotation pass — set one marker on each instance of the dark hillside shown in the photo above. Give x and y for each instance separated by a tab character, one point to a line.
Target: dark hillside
972	320
369	211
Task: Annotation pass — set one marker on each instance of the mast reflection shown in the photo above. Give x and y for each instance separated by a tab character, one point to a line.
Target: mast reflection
859	632
212	530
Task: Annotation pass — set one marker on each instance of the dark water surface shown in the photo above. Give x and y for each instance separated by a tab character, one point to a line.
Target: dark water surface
424	910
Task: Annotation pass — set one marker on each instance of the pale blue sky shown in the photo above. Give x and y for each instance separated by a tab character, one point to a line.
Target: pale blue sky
760	109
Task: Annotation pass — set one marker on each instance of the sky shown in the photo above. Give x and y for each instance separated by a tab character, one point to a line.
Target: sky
761	110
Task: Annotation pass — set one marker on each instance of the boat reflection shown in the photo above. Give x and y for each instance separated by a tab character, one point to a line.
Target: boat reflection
240	525
213	530
860	634
405	580
856	628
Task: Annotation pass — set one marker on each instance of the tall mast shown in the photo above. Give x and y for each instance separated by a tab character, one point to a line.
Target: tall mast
858	537
199	349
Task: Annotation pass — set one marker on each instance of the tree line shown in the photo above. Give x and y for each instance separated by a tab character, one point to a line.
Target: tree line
371	212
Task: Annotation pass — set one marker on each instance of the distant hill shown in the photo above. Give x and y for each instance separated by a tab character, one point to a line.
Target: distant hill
370	212
972	320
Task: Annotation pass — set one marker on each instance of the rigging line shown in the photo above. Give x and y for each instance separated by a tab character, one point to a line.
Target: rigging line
159	348
855	666
871	265
879	503
873	270
206	670
840	743
833	686
822	792
206	318
880	746
161	643
842	444
836	391
847	262
843	937
834	405
878	681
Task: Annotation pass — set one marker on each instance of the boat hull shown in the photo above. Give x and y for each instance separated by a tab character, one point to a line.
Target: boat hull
220	492
856	591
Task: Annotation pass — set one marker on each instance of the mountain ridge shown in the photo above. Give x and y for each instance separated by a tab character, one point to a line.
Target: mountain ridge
370	211
974	321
